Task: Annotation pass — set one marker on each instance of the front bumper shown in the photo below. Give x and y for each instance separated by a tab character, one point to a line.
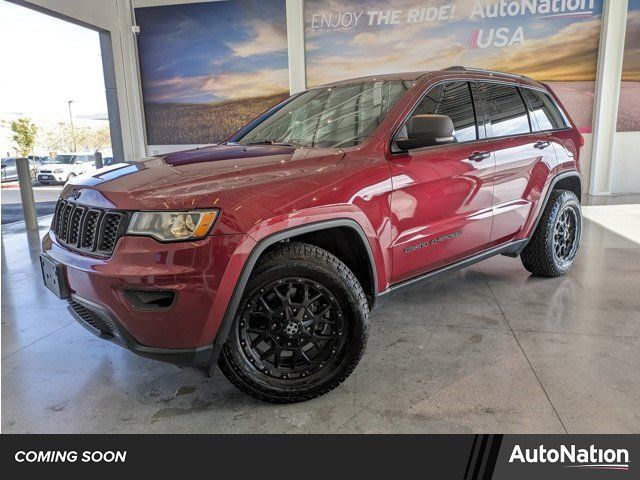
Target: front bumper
101	323
201	273
51	177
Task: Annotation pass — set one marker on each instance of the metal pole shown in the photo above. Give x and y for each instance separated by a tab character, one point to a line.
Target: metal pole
26	193
73	131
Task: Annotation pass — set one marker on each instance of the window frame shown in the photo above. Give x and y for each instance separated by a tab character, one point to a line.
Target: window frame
477	107
565	119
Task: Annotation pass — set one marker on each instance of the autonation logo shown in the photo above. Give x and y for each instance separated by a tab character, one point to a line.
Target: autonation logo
592	457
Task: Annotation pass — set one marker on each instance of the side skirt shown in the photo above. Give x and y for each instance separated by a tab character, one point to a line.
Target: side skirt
511	249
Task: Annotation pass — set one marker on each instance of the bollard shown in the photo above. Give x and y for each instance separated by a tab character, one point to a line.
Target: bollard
98	157
26	193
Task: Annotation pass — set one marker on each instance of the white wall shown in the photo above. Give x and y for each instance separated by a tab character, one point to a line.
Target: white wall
625	171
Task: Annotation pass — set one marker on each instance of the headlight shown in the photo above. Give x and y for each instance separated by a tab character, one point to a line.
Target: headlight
168	226
58	170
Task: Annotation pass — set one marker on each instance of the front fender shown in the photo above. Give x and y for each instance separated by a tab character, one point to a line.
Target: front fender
272	231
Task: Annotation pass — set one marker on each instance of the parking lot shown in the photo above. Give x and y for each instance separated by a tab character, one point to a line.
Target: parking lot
44	195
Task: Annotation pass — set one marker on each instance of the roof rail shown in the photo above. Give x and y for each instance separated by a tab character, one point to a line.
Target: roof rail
484	70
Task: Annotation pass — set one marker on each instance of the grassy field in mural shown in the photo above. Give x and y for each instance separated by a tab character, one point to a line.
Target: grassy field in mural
629	107
202	123
578	98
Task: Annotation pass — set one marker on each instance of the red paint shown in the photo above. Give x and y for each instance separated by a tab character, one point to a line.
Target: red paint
399	200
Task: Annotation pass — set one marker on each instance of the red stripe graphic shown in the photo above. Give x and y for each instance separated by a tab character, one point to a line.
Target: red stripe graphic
473	39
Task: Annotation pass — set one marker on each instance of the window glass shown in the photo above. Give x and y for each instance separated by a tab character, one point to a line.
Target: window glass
544	111
506	110
336	116
10	162
453	100
65	159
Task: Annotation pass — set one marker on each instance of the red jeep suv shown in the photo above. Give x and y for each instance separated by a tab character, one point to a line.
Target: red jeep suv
265	254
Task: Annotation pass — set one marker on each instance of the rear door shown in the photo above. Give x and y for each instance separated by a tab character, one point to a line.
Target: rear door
441	199
523	158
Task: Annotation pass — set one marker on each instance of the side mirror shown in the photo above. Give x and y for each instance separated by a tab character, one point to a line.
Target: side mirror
426	131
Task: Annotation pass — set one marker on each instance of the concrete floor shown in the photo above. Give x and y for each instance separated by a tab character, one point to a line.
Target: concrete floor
486	349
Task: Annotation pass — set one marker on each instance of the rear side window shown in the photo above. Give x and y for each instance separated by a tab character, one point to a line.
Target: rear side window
454	100
544	112
506	110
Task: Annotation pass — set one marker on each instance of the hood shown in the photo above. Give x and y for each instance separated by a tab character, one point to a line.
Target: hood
198	178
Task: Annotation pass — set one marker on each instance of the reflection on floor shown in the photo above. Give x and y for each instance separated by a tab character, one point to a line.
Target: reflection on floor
623	220
486	349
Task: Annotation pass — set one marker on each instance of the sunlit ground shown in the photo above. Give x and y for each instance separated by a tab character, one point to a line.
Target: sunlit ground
623	220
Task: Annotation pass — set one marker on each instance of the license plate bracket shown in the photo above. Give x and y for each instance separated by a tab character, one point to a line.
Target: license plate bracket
53	277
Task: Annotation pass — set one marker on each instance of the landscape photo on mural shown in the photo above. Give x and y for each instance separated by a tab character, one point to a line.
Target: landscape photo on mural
553	41
208	68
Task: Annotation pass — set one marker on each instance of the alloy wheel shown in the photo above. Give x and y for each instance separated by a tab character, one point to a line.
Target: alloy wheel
566	233
291	328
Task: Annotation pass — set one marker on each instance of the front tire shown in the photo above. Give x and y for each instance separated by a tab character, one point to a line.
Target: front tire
554	245
301	328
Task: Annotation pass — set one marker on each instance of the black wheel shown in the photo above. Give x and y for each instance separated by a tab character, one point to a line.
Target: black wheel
554	245
301	328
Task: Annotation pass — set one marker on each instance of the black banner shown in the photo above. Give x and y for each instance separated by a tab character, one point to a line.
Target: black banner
456	457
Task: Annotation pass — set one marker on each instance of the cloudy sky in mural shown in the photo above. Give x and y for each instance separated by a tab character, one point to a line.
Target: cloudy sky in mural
552	46
214	51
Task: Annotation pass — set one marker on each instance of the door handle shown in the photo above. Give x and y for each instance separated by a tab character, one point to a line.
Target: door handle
541	144
479	156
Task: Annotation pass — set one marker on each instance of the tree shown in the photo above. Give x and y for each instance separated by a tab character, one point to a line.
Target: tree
24	136
97	139
62	138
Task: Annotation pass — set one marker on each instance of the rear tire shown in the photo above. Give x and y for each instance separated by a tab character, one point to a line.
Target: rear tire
301	327
552	250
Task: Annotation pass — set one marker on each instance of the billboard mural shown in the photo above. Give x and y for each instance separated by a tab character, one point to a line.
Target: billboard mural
554	41
208	68
629	103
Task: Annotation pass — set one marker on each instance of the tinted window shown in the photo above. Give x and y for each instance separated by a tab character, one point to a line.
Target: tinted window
455	101
507	112
10	162
544	112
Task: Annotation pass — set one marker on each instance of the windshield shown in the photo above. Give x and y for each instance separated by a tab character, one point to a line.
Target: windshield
337	116
66	159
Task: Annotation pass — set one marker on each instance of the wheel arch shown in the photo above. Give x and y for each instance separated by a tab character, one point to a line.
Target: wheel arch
316	233
566	180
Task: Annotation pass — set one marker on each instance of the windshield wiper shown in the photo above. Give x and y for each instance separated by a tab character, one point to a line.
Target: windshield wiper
271	142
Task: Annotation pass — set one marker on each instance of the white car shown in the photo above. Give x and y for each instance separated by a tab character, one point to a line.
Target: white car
66	166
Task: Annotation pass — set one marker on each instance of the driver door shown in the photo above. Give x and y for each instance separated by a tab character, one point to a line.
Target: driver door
442	195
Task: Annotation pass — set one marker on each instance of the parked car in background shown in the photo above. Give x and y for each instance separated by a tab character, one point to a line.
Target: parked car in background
66	166
10	171
108	161
39	160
